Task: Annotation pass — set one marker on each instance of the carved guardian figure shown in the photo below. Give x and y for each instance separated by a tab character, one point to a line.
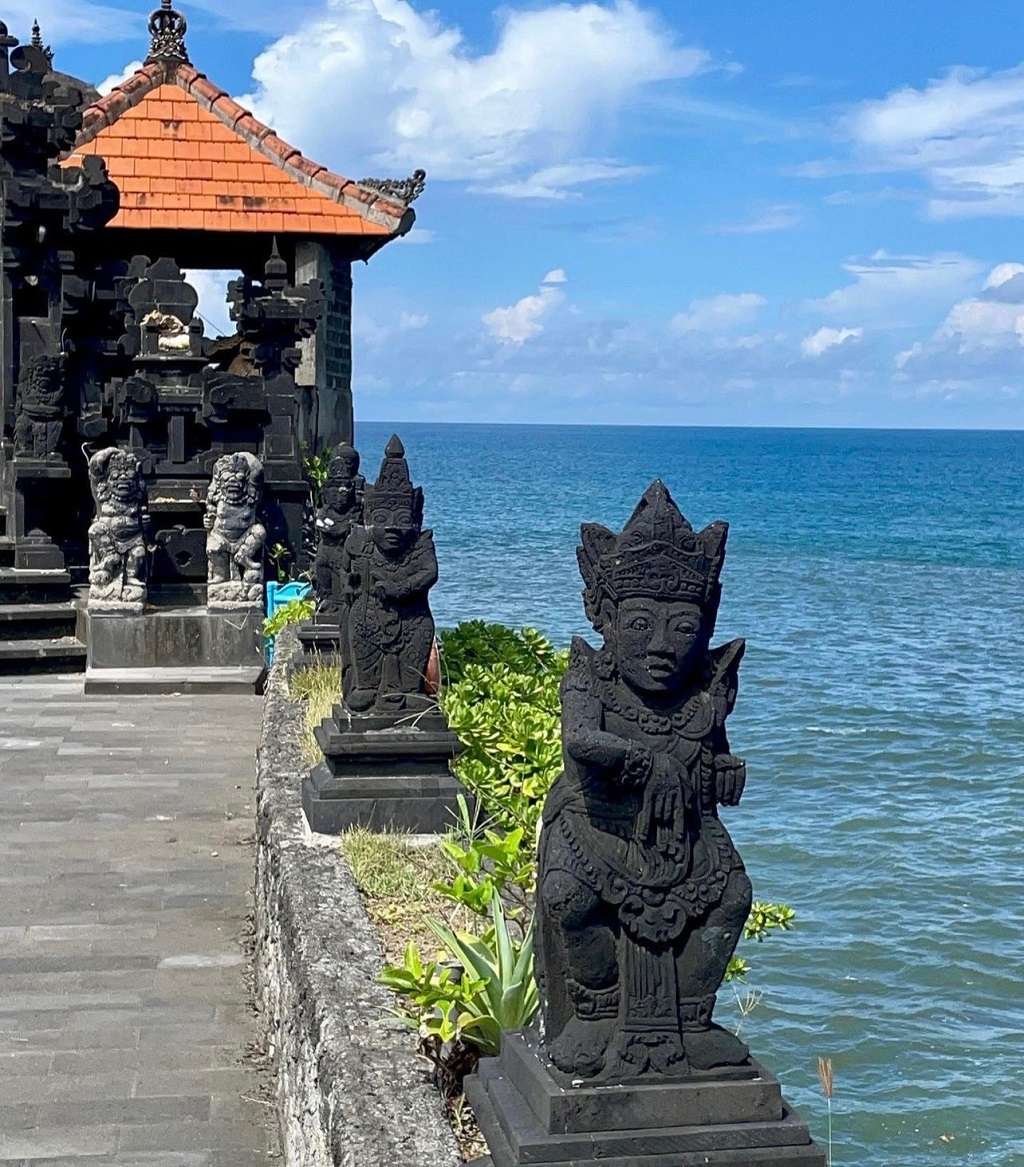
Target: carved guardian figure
642	895
340	510
117	537
390	566
235	539
40	408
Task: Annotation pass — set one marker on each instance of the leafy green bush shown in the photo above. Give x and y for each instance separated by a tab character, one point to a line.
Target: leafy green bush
294	612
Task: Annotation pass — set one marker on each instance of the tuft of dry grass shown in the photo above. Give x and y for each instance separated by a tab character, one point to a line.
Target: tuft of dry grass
318	687
396	876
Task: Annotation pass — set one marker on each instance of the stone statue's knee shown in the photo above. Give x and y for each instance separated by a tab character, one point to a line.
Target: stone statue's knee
566	898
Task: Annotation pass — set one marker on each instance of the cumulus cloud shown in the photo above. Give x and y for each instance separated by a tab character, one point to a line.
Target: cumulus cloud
108	83
963	133
719	313
521	321
377	83
899	289
407	320
819	343
212	288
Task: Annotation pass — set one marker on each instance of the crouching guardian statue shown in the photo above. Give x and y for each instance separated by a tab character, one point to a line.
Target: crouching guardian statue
235	539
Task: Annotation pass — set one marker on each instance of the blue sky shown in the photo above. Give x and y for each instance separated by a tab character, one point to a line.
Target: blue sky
784	213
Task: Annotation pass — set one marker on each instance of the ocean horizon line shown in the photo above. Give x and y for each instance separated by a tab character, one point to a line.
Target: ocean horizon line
566	425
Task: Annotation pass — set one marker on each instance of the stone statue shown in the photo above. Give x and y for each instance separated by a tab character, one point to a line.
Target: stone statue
642	895
117	537
341	508
234	544
40	418
390	566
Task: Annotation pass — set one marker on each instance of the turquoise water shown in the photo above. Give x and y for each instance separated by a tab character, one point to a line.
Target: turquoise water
879	580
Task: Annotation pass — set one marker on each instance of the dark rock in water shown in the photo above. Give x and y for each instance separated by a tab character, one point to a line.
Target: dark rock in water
387	748
642	896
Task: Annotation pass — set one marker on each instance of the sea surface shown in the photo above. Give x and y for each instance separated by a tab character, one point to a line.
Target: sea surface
878	577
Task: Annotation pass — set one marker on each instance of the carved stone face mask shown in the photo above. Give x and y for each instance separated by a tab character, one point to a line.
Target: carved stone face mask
658	643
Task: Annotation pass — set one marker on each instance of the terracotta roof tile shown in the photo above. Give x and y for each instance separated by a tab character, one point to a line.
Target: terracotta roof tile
184	154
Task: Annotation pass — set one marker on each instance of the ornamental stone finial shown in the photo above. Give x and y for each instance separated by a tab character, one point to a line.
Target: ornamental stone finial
167	28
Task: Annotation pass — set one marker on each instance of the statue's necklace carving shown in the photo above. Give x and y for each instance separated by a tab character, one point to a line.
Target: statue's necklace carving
649	722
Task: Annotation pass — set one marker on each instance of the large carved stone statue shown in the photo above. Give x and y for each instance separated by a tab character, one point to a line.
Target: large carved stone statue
40	408
341	508
234	544
390	566
117	537
641	895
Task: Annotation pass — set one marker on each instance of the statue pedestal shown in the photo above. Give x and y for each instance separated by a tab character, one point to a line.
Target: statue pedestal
383	771
532	1114
188	648
320	638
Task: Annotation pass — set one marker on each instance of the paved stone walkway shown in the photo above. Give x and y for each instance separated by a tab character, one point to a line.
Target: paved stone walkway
125	868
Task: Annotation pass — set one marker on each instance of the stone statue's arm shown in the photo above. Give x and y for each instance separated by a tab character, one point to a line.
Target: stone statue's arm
730	771
584	738
420	574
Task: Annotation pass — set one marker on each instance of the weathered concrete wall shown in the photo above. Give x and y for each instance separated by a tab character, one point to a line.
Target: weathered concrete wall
352	1091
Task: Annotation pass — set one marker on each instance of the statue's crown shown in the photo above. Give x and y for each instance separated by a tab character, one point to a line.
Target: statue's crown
393	493
658	555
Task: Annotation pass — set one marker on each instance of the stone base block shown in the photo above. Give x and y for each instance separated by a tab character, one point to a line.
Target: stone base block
173	638
529	1117
194	679
320	639
383	772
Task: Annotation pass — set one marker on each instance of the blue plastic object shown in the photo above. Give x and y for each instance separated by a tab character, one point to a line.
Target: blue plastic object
277	596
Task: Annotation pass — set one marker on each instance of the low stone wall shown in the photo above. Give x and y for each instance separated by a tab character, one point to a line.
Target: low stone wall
351	1089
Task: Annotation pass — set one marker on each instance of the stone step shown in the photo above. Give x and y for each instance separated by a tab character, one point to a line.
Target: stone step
20	586
175	680
37	621
63	654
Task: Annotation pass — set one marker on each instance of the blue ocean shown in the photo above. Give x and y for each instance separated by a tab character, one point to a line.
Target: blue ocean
878	577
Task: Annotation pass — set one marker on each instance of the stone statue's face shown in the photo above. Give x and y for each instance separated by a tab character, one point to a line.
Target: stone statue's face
390	533
659	643
235	485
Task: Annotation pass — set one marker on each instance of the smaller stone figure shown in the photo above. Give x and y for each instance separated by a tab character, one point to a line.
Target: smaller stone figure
234	545
341	509
390	566
40	421
117	537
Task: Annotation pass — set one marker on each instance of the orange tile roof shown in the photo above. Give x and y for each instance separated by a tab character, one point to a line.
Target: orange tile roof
185	155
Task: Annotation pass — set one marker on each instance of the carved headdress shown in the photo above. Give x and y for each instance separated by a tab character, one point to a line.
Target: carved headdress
393	501
658	555
344	462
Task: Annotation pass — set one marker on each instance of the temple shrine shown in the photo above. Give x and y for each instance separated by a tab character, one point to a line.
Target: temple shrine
107	201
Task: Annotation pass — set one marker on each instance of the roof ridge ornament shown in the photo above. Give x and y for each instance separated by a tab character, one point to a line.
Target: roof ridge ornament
167	28
37	42
406	190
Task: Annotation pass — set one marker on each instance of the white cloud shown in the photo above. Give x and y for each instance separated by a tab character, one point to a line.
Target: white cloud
558	182
818	343
412	320
780	217
963	133
517	323
898	288
414	93
212	289
718	313
108	83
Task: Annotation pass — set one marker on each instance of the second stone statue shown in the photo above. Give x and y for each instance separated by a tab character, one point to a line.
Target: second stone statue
387	747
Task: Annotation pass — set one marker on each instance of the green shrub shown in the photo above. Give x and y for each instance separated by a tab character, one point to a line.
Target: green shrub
294	612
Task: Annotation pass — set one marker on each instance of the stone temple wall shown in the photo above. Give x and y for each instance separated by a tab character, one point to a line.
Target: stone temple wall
352	1091
327	357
